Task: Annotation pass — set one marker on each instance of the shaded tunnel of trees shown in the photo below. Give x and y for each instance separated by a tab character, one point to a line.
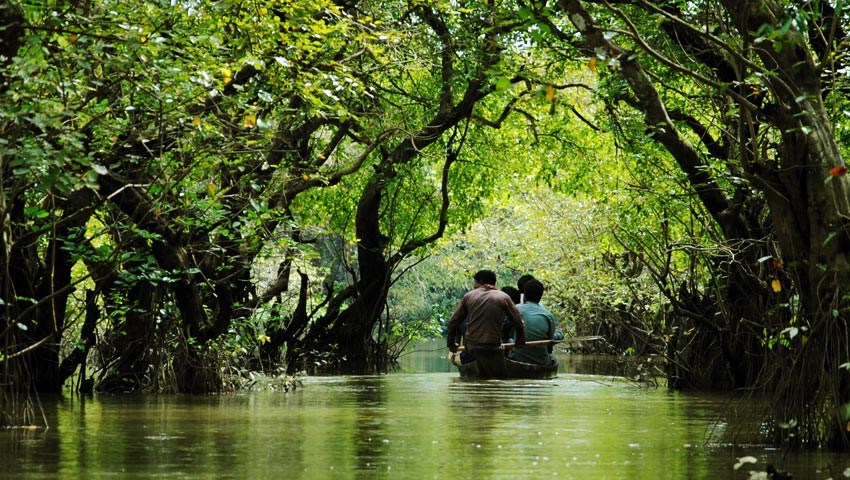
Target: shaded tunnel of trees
201	187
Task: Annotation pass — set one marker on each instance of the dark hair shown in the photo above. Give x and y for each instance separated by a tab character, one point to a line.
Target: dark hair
520	284
533	290
485	277
512	292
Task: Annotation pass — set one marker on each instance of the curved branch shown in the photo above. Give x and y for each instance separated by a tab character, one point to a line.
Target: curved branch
637	37
660	124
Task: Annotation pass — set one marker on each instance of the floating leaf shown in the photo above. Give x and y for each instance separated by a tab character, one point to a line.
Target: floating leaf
776	285
550	92
592	64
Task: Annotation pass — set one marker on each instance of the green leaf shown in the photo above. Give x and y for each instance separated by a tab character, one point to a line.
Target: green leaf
503	84
829	237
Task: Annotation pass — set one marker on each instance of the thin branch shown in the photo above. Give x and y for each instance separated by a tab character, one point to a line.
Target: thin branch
636	36
26	350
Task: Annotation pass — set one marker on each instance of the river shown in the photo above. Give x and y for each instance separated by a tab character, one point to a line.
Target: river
422	422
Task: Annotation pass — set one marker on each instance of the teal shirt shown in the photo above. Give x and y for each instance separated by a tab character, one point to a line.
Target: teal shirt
539	325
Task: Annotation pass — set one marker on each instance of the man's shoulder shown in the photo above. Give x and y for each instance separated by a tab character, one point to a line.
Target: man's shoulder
495	293
528	310
534	308
530	306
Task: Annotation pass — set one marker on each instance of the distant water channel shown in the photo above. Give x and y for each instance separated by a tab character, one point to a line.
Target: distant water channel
420	423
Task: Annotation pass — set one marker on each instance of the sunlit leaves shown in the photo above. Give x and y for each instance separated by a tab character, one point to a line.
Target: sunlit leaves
503	84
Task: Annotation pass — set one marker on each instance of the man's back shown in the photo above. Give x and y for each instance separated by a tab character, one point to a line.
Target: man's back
539	325
483	308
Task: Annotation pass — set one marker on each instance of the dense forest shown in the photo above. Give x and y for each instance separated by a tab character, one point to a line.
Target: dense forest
195	188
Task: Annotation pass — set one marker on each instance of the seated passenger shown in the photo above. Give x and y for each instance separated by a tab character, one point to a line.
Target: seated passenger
507	326
520	285
539	325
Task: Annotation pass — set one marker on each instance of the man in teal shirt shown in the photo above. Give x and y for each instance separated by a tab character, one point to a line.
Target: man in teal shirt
539	325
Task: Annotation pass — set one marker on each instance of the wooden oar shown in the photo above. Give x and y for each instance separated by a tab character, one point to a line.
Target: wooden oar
545	343
534	343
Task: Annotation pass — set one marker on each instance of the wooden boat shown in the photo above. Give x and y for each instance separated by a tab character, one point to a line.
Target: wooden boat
497	365
506	368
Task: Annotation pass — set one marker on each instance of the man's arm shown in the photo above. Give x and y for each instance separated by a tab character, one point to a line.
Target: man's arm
516	318
454	323
550	319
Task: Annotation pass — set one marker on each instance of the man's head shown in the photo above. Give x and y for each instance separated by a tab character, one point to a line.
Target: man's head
520	283
533	290
484	277
512	292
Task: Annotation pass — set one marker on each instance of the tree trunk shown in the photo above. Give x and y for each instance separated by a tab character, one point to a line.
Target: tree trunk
54	288
270	352
126	349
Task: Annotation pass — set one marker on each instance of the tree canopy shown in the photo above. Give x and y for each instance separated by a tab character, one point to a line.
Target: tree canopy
187	185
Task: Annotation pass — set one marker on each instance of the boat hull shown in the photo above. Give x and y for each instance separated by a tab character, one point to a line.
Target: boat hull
498	366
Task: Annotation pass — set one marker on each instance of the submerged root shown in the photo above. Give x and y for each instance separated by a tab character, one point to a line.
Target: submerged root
237	379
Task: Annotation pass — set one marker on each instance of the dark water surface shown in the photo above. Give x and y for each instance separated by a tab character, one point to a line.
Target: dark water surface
407	425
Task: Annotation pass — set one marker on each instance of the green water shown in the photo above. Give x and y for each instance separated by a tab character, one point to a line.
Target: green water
405	425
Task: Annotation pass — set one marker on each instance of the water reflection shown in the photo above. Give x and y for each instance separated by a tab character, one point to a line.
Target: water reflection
404	425
370	420
430	357
495	424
